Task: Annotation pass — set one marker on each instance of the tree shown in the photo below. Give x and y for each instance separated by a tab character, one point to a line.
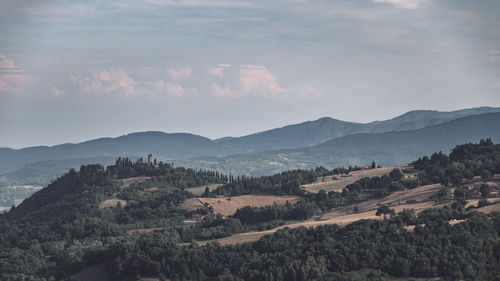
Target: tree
385	210
396	174
485	190
461	194
207	192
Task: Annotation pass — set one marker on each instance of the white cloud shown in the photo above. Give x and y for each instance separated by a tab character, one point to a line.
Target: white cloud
107	81
146	70
494	55
181	73
259	80
222	92
198	3
174	89
255	80
6	62
406	4
118	81
219	70
56	92
12	78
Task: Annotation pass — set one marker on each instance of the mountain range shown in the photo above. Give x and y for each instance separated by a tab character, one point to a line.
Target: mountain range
325	141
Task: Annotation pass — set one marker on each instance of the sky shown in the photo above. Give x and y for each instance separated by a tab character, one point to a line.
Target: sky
77	70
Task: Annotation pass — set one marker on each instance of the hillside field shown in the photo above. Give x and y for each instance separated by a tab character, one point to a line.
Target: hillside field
227	206
338	182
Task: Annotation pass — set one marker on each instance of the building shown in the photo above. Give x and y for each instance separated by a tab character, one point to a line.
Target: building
150	159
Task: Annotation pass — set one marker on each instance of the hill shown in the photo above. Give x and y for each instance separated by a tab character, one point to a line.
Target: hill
389	149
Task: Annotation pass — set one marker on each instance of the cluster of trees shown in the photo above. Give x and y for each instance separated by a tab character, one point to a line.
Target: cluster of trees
464	162
300	211
178	176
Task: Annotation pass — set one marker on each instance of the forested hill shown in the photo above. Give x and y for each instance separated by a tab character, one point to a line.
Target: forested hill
388	149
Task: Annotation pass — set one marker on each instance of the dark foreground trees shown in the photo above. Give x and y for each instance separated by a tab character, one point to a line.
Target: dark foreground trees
466	251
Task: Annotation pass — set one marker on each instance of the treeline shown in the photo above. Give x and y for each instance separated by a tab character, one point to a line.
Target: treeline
300	211
175	175
288	182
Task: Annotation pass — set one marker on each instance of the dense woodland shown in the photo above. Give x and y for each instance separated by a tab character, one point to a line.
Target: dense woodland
61	230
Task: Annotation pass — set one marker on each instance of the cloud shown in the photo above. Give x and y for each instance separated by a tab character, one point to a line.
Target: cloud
305	91
219	70
12	78
254	80
259	80
174	89
56	92
494	55
6	62
107	81
406	4
181	73
198	3
118	81
146	70
222	92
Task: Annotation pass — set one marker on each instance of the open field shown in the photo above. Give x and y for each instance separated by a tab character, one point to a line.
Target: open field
112	203
228	205
490	208
127	182
338	182
419	197
198	190
143	230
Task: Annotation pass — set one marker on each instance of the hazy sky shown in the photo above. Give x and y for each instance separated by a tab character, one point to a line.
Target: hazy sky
77	70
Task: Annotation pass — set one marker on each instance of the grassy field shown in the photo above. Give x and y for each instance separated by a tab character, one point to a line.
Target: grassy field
198	190
112	203
228	205
338	182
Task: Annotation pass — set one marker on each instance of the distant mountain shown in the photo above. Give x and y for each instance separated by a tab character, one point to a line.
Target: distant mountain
174	146
315	132
390	148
